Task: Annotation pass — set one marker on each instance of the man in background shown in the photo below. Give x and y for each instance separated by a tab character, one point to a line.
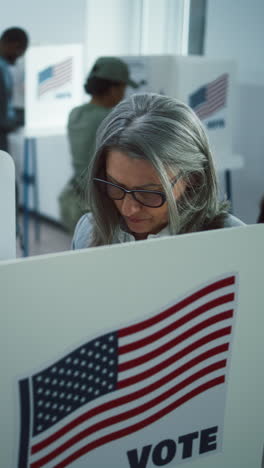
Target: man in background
13	44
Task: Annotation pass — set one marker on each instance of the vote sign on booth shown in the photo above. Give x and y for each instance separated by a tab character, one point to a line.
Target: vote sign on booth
139	355
124	381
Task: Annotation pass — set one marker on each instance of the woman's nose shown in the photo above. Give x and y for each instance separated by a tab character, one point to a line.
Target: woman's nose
130	206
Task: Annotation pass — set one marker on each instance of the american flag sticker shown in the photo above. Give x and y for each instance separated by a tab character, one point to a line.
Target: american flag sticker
149	394
210	98
55	76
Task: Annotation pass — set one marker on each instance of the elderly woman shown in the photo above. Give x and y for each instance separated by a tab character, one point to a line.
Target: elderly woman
152	175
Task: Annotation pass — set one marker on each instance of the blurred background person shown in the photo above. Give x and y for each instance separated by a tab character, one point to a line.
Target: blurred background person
13	44
261	211
106	83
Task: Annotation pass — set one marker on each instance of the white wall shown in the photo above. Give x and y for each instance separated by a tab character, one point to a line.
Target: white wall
52	21
235	29
165	26
134	27
111	28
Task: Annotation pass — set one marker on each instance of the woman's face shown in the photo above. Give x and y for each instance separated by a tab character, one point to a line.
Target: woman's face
132	173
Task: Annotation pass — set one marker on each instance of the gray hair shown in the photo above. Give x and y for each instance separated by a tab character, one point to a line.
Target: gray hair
169	135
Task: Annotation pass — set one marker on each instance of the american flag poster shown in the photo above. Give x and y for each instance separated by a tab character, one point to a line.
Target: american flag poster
210	98
53	87
55	76
149	393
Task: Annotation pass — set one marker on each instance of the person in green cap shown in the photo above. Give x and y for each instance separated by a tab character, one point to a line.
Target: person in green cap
106	83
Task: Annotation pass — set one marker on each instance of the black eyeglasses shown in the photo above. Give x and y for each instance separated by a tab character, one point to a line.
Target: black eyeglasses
150	198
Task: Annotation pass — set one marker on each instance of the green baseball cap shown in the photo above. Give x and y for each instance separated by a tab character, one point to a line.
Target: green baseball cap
112	68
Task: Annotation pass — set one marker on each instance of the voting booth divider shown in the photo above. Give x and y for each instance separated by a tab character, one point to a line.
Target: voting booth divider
54	86
137	355
208	86
54	75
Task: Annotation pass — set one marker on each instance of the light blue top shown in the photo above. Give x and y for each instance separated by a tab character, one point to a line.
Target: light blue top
83	231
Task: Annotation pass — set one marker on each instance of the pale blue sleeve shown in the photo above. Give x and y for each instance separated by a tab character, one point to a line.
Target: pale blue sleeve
232	221
83	232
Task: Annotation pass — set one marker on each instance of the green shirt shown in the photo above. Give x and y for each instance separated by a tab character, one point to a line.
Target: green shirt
82	126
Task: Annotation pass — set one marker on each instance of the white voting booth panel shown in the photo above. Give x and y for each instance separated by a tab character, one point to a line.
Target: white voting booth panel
54	85
205	84
7	207
200	294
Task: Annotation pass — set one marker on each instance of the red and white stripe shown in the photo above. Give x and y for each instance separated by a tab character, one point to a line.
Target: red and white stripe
216	96
62	75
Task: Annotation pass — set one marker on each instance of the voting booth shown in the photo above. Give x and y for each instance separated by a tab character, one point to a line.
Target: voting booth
7	207
143	354
54	86
207	85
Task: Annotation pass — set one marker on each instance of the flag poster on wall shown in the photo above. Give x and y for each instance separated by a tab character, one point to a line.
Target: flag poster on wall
149	393
54	85
211	98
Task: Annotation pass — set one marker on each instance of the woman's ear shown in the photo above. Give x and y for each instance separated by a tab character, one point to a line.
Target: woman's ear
179	188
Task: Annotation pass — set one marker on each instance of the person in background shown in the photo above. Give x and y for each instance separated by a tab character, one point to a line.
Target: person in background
13	44
106	83
152	175
261	211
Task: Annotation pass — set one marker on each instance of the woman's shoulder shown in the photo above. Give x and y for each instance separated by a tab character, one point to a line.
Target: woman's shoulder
232	221
83	232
